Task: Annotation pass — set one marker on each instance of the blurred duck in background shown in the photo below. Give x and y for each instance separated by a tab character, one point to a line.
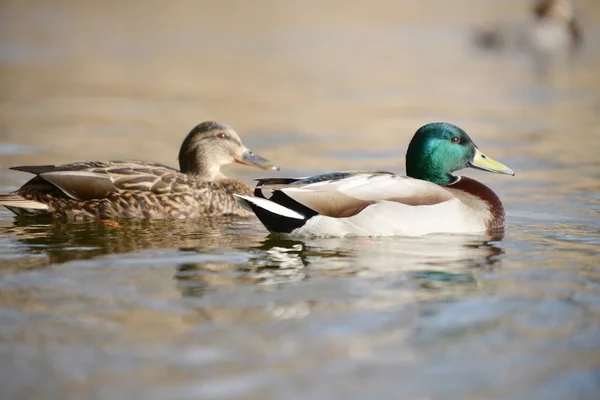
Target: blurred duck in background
141	189
551	33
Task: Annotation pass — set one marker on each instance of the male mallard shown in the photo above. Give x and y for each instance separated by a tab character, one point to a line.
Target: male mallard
359	203
138	189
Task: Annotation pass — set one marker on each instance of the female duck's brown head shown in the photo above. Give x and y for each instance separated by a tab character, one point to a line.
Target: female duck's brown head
210	146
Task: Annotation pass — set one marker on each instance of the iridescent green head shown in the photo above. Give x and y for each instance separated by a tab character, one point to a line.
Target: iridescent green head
439	149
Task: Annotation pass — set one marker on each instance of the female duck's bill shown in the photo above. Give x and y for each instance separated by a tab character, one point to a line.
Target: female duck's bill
250	158
362	203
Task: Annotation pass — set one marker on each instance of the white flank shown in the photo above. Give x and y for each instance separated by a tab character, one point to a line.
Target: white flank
267	205
386	218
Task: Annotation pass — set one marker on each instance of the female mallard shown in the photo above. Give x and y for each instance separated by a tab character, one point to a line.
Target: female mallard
429	200
138	189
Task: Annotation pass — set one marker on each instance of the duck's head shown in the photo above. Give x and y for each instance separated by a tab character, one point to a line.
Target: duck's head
562	12
559	10
211	145
438	149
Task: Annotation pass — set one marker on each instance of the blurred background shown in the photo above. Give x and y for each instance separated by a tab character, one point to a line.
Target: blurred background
310	84
314	86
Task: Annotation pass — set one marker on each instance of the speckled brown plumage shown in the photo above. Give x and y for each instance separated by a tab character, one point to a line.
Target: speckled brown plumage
138	189
201	199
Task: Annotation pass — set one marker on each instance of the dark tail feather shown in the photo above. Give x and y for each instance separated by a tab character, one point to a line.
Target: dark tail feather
271	184
275	217
35	169
275	181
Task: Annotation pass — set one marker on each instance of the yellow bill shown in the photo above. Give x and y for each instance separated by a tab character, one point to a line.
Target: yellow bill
481	161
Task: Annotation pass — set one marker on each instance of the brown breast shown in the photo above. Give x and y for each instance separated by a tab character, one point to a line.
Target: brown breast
471	193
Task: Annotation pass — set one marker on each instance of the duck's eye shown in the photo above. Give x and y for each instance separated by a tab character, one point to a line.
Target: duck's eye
221	135
455	139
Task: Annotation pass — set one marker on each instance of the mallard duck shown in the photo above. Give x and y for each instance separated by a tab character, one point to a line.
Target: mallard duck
139	189
553	30
361	203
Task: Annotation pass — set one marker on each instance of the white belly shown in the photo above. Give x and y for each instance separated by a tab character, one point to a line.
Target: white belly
386	218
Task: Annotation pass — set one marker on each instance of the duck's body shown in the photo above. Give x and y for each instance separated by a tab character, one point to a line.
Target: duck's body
123	189
429	200
551	32
138	189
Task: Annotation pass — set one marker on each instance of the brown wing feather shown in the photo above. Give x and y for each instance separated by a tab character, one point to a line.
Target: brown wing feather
81	185
95	179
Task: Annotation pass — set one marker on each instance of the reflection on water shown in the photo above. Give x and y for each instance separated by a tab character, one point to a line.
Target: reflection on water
220	309
270	260
279	260
64	242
